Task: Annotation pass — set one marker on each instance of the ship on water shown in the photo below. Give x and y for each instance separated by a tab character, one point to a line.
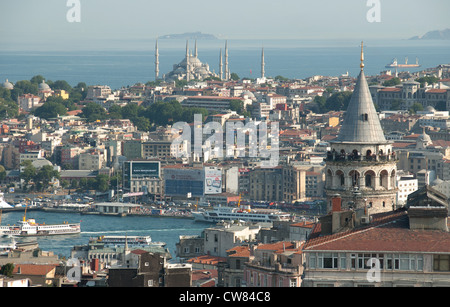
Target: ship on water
131	241
395	64
246	214
29	227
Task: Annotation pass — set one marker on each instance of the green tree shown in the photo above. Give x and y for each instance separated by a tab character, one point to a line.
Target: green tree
2	173
115	112
37	79
50	109
28	173
93	112
8	108
415	108
7	270
428	79
338	101
61	85
102	184
44	176
392	82
234	76
27	87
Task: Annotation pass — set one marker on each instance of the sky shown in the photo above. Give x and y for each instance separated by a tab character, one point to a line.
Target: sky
28	24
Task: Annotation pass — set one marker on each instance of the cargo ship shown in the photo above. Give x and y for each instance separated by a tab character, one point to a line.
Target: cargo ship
395	64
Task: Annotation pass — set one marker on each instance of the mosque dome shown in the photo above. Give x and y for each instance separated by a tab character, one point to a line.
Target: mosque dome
44	86
249	94
8	85
430	109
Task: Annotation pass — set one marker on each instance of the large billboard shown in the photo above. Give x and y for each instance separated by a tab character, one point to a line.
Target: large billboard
181	182
213	180
143	169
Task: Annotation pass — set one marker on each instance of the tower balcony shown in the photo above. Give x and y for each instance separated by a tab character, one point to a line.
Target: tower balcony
334	157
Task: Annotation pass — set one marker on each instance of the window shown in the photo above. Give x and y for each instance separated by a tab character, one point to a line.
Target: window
150	283
441	263
293	283
328	261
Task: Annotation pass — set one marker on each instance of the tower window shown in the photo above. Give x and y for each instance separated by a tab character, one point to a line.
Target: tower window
365	117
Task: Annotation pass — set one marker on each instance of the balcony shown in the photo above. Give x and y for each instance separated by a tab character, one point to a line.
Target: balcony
352	157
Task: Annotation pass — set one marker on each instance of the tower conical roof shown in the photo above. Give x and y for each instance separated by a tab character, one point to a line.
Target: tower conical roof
361	122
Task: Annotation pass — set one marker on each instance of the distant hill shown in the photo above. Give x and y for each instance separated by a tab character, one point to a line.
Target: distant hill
438	34
190	35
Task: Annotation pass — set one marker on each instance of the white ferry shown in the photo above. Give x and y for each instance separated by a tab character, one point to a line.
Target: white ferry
132	241
219	214
29	228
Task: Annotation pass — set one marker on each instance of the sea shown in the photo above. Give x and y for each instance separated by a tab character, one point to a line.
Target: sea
162	229
126	63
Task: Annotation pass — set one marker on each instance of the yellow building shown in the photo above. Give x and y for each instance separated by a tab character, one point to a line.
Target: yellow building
61	93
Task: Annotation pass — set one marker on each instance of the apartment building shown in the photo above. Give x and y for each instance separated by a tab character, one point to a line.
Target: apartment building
409	247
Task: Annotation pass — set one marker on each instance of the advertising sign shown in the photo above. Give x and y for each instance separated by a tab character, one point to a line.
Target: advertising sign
213	180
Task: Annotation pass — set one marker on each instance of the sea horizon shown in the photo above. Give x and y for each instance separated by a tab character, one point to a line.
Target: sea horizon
121	63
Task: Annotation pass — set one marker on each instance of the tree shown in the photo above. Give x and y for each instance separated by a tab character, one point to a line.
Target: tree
428	80
392	82
44	176
234	76
50	109
102	184
2	173
7	270
62	85
28	173
415	108
338	101
93	112
115	112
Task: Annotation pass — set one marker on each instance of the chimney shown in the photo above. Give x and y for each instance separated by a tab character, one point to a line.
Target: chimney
336	202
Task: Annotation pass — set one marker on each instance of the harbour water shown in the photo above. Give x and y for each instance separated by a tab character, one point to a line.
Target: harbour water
132	62
163	229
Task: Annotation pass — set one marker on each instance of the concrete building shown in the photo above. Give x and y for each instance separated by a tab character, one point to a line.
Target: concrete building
94	159
277	264
219	239
409	247
28	102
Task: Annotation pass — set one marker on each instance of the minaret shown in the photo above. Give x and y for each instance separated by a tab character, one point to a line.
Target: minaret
263	65
188	61
220	65
361	167
156	61
195	50
226	62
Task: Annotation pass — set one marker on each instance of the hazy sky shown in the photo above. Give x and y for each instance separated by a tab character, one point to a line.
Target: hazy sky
38	23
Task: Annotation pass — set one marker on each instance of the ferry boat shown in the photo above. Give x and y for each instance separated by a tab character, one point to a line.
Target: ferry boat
29	228
219	214
132	241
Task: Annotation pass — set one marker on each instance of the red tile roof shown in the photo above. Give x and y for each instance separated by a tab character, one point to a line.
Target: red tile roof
207	259
33	269
389	232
